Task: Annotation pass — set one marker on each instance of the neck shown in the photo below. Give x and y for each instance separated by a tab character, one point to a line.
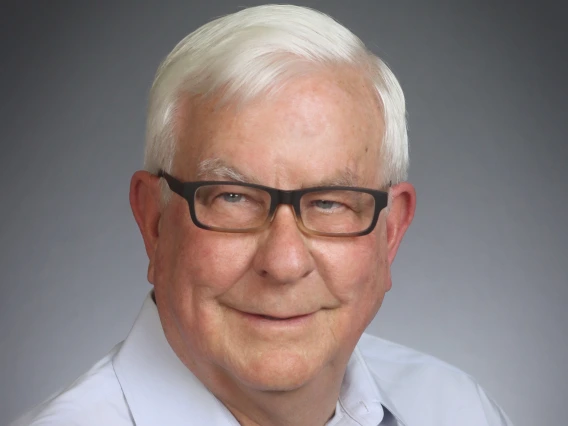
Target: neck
312	404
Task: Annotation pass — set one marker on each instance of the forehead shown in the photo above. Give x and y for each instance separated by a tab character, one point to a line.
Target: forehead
309	129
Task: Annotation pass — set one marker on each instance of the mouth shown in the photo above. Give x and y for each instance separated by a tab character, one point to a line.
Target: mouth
277	320
282	318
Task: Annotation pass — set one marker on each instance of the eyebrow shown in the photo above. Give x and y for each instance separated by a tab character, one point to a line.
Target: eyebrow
345	177
217	169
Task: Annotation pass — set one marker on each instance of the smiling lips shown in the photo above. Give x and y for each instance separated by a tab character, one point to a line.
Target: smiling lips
277	318
291	317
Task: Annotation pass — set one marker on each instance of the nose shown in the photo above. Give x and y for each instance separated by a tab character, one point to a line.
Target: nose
283	254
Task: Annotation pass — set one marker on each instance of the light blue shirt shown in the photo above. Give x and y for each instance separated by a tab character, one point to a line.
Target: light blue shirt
142	382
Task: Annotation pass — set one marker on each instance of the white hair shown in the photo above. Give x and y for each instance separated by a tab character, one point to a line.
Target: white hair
252	51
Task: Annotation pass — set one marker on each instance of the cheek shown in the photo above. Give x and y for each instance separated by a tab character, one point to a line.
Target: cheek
194	267
203	262
349	267
353	269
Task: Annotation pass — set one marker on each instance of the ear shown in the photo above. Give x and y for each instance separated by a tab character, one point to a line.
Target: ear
145	203
401	213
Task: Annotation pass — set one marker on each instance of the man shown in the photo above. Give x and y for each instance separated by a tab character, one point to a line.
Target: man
271	208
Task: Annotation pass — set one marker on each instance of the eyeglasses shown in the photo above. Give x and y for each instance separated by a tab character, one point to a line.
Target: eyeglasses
335	211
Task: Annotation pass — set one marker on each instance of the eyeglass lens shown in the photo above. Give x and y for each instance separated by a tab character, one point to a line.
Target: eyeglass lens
241	207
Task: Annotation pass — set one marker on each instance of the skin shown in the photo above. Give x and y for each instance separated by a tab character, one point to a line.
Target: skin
269	372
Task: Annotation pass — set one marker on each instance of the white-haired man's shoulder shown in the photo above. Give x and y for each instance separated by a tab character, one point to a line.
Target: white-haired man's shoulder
95	398
412	379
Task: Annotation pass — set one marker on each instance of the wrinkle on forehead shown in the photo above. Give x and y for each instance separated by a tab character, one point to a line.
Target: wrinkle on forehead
355	92
347	78
302	110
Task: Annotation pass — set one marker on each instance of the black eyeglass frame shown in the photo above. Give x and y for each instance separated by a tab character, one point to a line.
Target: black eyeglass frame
187	191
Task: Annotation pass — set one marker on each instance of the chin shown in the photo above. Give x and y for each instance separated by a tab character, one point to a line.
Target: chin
279	371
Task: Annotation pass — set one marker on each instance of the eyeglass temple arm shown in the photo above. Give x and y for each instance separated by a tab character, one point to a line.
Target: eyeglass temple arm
174	184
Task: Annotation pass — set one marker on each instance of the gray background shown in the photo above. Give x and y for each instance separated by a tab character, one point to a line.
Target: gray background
481	278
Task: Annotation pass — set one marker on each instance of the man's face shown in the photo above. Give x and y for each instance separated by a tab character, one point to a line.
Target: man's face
217	292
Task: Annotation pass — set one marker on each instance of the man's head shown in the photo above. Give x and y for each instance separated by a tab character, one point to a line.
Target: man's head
284	97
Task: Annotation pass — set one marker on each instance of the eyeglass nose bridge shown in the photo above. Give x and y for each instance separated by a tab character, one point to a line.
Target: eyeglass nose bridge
285	197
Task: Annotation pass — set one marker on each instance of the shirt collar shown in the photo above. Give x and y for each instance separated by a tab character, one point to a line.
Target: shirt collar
160	389
363	399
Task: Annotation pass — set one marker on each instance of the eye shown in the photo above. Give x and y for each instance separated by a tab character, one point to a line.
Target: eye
231	197
326	204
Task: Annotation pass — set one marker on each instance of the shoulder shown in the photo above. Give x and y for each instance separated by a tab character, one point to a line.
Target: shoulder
95	398
420	385
389	359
